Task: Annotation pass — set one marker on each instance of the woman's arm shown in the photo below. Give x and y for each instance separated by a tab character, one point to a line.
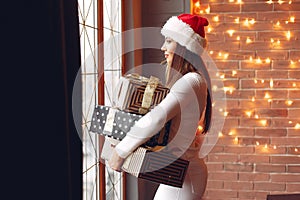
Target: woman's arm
181	94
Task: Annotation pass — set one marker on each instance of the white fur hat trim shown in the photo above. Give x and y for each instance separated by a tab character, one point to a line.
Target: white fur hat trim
184	35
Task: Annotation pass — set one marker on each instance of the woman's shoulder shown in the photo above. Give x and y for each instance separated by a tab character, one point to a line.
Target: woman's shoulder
194	78
190	80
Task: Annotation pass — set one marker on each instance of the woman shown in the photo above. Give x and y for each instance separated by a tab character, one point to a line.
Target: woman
188	105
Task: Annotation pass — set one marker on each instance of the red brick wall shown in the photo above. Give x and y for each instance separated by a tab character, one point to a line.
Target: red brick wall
258	152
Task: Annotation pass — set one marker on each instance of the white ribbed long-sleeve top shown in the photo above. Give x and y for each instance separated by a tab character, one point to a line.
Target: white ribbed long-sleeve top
184	104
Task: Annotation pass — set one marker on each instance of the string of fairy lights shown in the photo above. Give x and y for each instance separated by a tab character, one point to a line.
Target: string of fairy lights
283	30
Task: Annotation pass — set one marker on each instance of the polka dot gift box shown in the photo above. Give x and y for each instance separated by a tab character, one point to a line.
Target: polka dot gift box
115	123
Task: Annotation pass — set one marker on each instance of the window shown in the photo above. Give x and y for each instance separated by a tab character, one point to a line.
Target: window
91	14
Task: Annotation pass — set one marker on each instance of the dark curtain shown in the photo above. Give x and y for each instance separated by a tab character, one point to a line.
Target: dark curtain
41	149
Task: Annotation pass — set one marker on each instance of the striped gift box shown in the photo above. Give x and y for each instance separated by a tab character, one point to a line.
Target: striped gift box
115	123
138	94
159	167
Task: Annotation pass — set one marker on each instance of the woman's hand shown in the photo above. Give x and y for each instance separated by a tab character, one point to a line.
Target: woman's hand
116	162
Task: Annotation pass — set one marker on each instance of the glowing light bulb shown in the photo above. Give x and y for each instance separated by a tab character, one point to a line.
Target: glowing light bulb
271	83
292	62
292	19
258	61
250	59
296	150
234	72
211	52
248	40
278	23
253	99
230	32
236	140
228	89
280	2
225	114
239	2
225	55
238	38
269	2
216	18
255	81
288	35
237	20
248	113
274	147
278	41
209	29
272	40
207	10
197	4
232	132
263	122
220	134
200	128
289	102
215	88
268	60
266	146
257	143
267	95
252	21
297	126
290	122
246	22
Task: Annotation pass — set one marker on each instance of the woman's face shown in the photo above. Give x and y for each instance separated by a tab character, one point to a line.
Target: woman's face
168	48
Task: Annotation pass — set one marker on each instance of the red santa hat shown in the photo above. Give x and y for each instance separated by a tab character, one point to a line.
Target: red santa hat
187	30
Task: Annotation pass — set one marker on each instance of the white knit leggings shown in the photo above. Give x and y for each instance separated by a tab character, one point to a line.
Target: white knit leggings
193	187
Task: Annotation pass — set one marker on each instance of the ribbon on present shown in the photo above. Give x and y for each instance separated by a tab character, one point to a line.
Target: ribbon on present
138	94
152	83
148	94
108	127
137	77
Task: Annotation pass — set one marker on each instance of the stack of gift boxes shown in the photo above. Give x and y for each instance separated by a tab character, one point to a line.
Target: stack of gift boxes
135	96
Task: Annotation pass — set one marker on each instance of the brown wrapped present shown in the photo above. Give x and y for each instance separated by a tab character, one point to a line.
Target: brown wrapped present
159	167
138	94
